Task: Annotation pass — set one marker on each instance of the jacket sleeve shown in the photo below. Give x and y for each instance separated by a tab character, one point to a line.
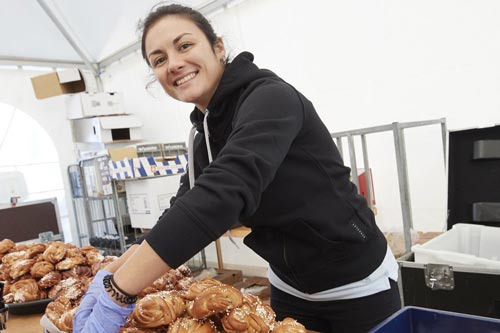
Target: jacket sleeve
266	123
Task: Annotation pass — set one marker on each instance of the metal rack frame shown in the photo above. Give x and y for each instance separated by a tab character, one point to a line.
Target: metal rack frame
401	162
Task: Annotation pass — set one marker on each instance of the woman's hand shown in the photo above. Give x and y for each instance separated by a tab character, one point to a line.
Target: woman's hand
106	316
91	296
88	301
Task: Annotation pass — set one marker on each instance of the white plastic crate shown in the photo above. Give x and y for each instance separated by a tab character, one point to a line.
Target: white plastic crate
463	245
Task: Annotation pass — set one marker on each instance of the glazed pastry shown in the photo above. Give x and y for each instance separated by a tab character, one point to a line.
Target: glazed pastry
197	287
157	309
55	252
184	270
35	249
103	263
289	325
41	268
24	291
19	247
251	317
184	284
4	272
10	258
65	322
213	300
21	267
55	310
71	288
78	272
93	256
70	262
190	325
6	245
49	280
138	330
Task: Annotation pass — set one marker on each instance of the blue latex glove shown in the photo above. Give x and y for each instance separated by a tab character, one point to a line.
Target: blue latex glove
88	301
106	316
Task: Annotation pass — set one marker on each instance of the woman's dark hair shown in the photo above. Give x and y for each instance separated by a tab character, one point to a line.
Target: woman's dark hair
157	14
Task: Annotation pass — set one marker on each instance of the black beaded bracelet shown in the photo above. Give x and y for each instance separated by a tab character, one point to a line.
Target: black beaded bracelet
116	292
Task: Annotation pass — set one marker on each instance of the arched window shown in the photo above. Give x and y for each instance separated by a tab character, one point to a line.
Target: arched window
26	147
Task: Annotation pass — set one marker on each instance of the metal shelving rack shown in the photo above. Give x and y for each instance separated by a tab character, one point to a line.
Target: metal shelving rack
105	215
401	162
101	218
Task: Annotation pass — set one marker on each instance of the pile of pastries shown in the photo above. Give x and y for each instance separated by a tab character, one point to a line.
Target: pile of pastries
177	303
47	270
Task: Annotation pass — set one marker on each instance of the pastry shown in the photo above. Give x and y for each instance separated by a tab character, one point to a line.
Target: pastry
49	280
157	309
21	267
197	287
55	252
41	268
24	291
190	325
289	325
6	245
215	299
35	249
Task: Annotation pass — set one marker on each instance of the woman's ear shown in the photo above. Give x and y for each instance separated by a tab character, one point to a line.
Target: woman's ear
220	50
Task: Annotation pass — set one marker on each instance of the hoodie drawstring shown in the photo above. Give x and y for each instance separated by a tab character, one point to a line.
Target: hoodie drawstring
192	133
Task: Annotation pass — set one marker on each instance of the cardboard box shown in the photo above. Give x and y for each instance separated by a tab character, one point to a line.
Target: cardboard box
107	129
229	276
68	81
121	170
85	104
150	166
254	285
148	198
118	154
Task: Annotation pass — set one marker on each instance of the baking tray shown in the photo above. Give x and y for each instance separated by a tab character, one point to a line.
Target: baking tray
28	308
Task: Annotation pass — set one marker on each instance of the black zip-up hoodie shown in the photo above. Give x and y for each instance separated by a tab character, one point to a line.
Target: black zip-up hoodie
276	170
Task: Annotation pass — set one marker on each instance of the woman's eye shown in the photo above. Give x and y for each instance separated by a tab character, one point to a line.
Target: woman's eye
185	46
158	61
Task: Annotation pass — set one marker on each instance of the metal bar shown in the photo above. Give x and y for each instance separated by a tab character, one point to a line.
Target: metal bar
368	175
404	190
444	133
119	220
374	129
384	128
69	38
421	123
352	156
24	61
120	54
340	148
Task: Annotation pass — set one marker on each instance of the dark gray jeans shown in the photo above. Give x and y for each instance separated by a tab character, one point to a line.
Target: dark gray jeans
357	315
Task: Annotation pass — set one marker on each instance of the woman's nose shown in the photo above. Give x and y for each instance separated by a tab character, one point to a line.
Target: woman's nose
175	63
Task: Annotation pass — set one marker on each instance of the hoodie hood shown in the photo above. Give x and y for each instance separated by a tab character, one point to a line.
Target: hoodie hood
237	75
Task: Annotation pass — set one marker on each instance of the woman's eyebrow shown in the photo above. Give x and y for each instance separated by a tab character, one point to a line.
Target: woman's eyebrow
176	39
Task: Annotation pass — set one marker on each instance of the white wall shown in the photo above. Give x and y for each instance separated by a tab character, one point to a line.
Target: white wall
16	90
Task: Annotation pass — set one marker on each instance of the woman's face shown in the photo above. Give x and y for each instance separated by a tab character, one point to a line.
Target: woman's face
186	65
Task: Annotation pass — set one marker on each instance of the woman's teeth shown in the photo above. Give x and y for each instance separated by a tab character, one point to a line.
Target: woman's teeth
185	79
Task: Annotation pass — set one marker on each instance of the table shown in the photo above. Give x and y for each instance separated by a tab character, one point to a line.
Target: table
24	324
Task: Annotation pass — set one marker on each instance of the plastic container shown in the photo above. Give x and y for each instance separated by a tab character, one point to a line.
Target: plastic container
413	319
463	245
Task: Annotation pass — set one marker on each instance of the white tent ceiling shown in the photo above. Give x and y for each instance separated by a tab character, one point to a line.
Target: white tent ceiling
60	33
